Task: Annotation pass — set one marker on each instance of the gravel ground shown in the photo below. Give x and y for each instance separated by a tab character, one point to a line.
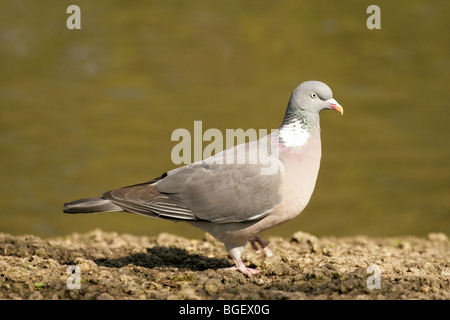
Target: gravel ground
123	266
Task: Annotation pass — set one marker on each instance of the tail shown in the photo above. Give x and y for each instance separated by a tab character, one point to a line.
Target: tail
88	205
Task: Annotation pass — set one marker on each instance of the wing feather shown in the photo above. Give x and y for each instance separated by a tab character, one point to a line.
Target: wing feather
206	190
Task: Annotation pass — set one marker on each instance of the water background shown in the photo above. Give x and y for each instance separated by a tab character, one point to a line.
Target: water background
85	111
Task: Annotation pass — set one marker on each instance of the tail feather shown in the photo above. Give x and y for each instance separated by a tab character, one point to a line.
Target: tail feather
98	204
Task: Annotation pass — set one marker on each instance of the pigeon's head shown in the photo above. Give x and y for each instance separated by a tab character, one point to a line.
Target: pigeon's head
314	96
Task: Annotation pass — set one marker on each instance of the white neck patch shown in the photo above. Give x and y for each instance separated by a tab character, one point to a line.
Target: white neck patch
293	134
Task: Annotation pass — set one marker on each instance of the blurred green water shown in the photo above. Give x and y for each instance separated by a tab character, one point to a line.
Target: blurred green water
85	111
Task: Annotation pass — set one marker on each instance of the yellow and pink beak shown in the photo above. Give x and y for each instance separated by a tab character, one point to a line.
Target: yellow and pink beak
335	105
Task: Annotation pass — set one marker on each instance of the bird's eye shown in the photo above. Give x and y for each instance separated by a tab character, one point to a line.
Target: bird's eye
314	95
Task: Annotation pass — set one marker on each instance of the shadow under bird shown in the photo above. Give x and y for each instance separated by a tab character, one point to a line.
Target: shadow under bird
235	201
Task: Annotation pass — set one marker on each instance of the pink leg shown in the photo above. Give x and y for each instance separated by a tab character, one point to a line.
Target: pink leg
242	268
264	245
235	253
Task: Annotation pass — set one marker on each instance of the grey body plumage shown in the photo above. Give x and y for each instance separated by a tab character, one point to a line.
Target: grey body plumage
234	202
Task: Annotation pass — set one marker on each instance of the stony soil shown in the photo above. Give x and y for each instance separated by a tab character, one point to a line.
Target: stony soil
123	266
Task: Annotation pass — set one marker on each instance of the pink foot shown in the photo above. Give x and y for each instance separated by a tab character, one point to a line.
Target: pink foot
242	268
245	270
